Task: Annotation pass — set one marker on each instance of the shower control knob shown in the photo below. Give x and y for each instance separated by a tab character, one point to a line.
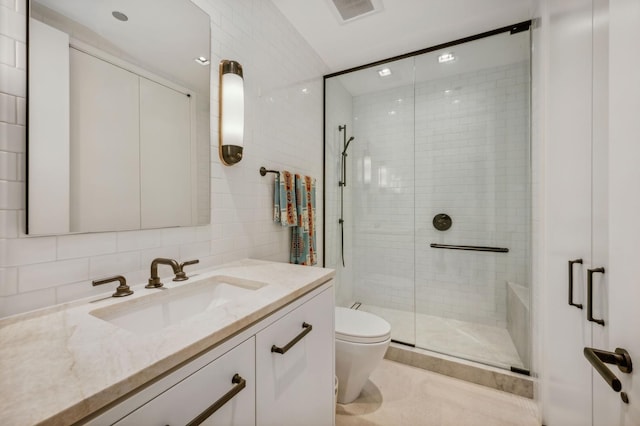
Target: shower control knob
442	221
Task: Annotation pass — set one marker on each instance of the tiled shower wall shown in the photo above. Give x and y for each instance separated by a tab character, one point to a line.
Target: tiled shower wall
339	242
472	163
283	130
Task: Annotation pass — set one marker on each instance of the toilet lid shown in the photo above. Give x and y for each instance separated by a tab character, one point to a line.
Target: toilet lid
360	327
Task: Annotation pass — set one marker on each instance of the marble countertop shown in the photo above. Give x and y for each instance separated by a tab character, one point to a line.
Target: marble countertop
60	364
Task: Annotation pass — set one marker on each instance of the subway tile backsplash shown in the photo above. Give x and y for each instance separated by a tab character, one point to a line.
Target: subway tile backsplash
283	130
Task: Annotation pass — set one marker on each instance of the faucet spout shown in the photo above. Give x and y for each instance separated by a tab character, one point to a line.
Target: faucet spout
154	279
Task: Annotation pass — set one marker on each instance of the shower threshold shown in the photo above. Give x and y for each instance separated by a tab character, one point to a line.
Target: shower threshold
480	343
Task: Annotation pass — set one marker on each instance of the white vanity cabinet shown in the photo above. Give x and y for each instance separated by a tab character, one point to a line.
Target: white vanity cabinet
295	387
190	398
290	388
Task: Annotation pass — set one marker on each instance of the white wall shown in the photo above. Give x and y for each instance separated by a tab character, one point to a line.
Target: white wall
283	129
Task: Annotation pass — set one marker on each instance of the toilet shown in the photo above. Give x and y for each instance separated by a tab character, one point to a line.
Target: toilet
361	341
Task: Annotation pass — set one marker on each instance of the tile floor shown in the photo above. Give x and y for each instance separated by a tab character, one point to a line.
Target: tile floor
401	395
475	342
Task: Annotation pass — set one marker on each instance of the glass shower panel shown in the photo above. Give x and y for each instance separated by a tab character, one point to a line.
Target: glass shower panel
377	203
472	164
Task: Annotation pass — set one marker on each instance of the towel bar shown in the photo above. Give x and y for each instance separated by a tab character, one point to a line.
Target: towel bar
472	248
264	171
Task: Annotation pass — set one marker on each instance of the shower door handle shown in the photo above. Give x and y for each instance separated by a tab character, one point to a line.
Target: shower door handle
571	263
590	273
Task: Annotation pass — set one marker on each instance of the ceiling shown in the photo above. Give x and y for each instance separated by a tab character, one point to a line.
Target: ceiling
401	26
151	38
488	52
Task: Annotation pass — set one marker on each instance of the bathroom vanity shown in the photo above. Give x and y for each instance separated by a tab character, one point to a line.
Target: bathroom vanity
249	343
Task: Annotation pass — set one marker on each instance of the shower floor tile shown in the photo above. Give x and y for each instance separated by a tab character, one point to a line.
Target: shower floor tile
475	342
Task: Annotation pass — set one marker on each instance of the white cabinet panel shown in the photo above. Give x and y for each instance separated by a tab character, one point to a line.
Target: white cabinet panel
105	155
624	203
566	393
49	134
165	150
296	388
186	400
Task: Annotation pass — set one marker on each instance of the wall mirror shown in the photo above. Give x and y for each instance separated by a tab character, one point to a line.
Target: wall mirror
118	116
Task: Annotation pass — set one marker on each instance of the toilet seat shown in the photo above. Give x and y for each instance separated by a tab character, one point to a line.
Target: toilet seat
360	327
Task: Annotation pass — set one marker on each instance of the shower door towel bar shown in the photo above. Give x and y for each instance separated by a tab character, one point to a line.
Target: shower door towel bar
471	248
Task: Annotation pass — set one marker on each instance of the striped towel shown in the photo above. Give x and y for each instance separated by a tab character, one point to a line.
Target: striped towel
284	200
303	236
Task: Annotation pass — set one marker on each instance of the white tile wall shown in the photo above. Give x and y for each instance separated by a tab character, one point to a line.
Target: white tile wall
283	128
338	112
471	161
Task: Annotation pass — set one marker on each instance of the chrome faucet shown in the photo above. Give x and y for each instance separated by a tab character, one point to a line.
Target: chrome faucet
121	291
154	279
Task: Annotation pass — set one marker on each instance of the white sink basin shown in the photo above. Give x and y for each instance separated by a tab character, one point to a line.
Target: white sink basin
170	306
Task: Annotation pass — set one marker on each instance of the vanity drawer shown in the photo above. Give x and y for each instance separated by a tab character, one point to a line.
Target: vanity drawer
187	399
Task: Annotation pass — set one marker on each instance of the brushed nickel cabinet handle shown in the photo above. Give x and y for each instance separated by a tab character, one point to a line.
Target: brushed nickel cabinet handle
239	383
590	273
571	263
307	329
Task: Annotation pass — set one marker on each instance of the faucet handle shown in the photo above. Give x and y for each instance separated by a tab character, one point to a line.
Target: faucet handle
122	290
180	275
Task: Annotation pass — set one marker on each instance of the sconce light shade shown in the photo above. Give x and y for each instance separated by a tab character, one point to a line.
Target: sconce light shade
231	130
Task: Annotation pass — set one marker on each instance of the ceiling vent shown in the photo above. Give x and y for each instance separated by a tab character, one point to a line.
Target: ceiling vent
349	10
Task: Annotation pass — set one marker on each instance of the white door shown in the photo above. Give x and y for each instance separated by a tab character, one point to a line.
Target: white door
105	165
566	384
624	224
165	156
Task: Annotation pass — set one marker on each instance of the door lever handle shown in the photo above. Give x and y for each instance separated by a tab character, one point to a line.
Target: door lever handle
598	358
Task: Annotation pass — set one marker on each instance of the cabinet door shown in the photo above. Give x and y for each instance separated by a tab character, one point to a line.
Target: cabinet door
165	156
296	387
105	153
183	402
566	388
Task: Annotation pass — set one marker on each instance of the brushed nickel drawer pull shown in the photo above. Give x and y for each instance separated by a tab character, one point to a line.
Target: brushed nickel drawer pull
571	263
307	330
590	273
239	383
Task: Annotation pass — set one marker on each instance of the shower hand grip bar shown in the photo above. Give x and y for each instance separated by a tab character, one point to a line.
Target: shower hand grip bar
470	248
590	273
598	358
285	348
571	263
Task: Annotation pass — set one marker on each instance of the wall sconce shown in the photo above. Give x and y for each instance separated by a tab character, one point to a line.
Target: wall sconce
231	122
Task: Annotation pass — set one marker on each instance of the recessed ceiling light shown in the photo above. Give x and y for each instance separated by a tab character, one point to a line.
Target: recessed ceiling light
305	91
446	57
120	16
384	72
202	60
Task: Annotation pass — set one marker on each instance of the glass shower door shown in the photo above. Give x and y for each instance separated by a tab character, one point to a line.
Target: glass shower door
377	203
472	164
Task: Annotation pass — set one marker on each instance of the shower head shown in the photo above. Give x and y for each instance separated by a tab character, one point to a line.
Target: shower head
344	152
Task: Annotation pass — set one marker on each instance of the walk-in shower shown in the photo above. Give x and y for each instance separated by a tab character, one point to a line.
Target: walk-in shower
433	231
